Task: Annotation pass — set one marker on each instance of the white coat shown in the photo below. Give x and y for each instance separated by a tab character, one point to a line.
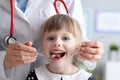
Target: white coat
27	28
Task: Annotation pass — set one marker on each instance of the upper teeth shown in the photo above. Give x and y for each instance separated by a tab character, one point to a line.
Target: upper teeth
57	52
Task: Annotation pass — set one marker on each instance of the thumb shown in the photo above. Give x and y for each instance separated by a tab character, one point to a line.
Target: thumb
29	43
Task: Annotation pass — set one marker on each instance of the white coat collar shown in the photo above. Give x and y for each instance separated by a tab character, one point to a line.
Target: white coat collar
6	5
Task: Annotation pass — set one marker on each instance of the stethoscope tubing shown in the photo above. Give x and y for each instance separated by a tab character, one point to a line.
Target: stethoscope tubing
64	4
12	17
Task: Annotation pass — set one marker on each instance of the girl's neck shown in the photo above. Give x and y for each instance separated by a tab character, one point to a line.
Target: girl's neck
67	70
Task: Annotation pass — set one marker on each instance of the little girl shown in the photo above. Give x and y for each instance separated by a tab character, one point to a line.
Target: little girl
60	43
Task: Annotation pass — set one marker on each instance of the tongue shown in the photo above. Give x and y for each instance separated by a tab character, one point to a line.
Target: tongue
58	56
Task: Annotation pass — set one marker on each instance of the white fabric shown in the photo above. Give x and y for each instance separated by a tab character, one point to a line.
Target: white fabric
2	73
43	74
27	28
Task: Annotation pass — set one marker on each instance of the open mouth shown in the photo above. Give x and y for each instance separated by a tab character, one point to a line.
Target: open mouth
57	55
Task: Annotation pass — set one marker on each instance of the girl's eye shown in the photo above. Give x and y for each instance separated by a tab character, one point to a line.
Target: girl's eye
65	38
50	38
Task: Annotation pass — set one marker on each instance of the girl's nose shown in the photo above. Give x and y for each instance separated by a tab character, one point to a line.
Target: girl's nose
57	44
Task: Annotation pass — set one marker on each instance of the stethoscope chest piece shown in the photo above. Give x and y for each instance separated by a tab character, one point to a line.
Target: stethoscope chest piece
9	39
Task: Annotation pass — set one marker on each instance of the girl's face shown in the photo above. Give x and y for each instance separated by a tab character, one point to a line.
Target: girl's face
61	44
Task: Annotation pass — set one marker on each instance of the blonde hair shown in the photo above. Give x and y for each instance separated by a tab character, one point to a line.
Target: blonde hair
61	21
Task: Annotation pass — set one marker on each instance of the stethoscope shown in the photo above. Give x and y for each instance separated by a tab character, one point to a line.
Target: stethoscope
10	38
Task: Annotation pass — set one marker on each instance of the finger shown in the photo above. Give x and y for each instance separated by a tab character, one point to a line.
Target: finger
92	51
97	53
23	53
20	53
19	62
94	44
15	61
88	57
19	46
24	57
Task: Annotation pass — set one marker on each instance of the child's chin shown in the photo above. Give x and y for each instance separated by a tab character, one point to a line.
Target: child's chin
57	61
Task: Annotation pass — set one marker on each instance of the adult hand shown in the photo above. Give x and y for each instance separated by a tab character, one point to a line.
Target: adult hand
91	50
18	53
